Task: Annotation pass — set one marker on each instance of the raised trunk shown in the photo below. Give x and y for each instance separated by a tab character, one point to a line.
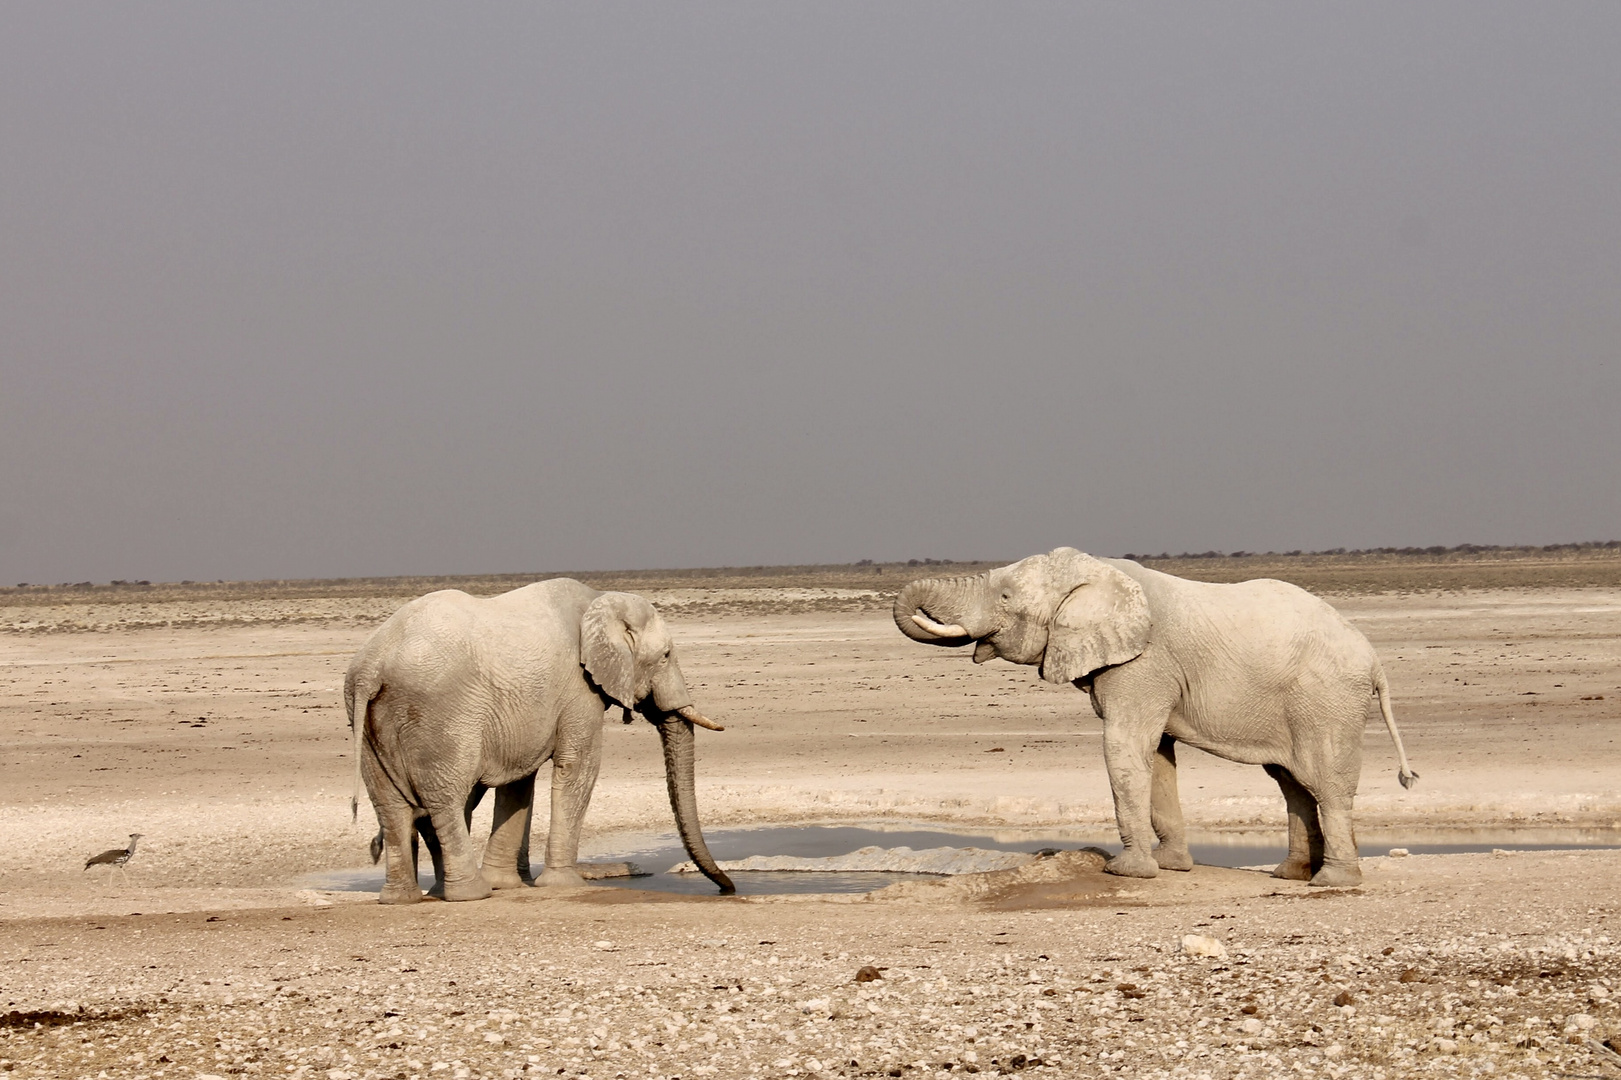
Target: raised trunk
676	735
944	601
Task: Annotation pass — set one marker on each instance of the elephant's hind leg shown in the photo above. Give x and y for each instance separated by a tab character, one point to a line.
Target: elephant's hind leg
1342	863
436	855
1166	810
397	820
458	870
1305	833
400	868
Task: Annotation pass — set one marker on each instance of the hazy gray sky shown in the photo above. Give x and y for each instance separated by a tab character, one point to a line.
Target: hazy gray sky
313	289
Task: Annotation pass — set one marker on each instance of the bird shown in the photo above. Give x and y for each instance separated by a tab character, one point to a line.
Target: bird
116	858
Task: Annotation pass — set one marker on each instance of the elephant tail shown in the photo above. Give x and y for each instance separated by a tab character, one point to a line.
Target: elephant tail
1381	687
358	690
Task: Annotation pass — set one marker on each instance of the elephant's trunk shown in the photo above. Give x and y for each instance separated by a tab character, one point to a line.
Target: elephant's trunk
940	611
676	733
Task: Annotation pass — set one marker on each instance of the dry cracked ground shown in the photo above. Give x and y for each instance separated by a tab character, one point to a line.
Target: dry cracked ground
212	725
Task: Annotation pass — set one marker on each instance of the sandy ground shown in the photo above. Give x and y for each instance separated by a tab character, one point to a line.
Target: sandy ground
215	728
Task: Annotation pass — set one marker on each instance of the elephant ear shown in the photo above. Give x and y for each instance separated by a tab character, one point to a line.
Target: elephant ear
607	647
1102	621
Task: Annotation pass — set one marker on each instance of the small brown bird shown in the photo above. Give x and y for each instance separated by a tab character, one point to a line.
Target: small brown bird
117	857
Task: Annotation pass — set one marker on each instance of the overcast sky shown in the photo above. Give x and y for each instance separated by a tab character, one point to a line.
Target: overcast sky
297	290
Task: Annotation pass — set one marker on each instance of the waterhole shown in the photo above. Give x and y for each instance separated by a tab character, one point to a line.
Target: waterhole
656	853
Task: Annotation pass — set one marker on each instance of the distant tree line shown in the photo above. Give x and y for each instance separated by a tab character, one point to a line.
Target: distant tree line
1437	549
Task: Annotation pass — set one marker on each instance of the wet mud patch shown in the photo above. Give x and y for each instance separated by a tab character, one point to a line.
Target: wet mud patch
1315	894
1099	891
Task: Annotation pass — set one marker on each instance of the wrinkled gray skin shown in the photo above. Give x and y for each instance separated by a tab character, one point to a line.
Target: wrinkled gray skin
1259	672
456	694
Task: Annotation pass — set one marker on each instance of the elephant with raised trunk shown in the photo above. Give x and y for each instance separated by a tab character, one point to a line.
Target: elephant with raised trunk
456	694
1259	672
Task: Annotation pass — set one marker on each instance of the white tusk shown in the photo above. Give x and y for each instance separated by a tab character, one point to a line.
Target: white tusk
694	716
938	629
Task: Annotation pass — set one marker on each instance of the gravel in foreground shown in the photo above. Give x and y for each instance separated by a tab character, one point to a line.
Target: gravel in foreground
1451	972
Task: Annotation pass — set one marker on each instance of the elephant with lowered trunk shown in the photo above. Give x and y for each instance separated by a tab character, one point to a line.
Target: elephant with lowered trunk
1259	672
455	694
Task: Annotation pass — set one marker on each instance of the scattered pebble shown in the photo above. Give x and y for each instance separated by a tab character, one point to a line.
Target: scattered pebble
1199	945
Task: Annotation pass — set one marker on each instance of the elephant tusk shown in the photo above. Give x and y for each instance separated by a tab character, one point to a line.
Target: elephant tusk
692	715
939	629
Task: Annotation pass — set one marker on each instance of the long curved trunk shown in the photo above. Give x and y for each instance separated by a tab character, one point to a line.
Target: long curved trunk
676	734
948	601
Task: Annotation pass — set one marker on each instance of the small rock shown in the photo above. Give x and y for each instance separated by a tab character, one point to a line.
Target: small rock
868	973
1398	853
814	1005
1343	998
605	946
1501	851
1252	1026
1445	1046
1409	975
1199	945
1579	1022
494	1038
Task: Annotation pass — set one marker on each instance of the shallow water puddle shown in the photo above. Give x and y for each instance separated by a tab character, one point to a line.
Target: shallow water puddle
657	854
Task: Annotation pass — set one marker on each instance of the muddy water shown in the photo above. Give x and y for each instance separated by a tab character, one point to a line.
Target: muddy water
657	853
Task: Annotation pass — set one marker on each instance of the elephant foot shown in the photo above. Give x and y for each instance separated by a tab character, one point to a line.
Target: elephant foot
1292	869
504	879
560	877
1132	863
475	888
400	894
1337	875
1173	857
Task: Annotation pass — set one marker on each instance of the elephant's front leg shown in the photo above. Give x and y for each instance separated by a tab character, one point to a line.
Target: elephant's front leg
575	762
1166	811
506	856
1305	834
1127	750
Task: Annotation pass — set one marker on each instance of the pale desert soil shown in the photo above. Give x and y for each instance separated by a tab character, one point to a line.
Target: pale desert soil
215	728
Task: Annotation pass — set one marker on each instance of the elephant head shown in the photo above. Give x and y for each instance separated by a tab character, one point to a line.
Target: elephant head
627	651
1066	611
